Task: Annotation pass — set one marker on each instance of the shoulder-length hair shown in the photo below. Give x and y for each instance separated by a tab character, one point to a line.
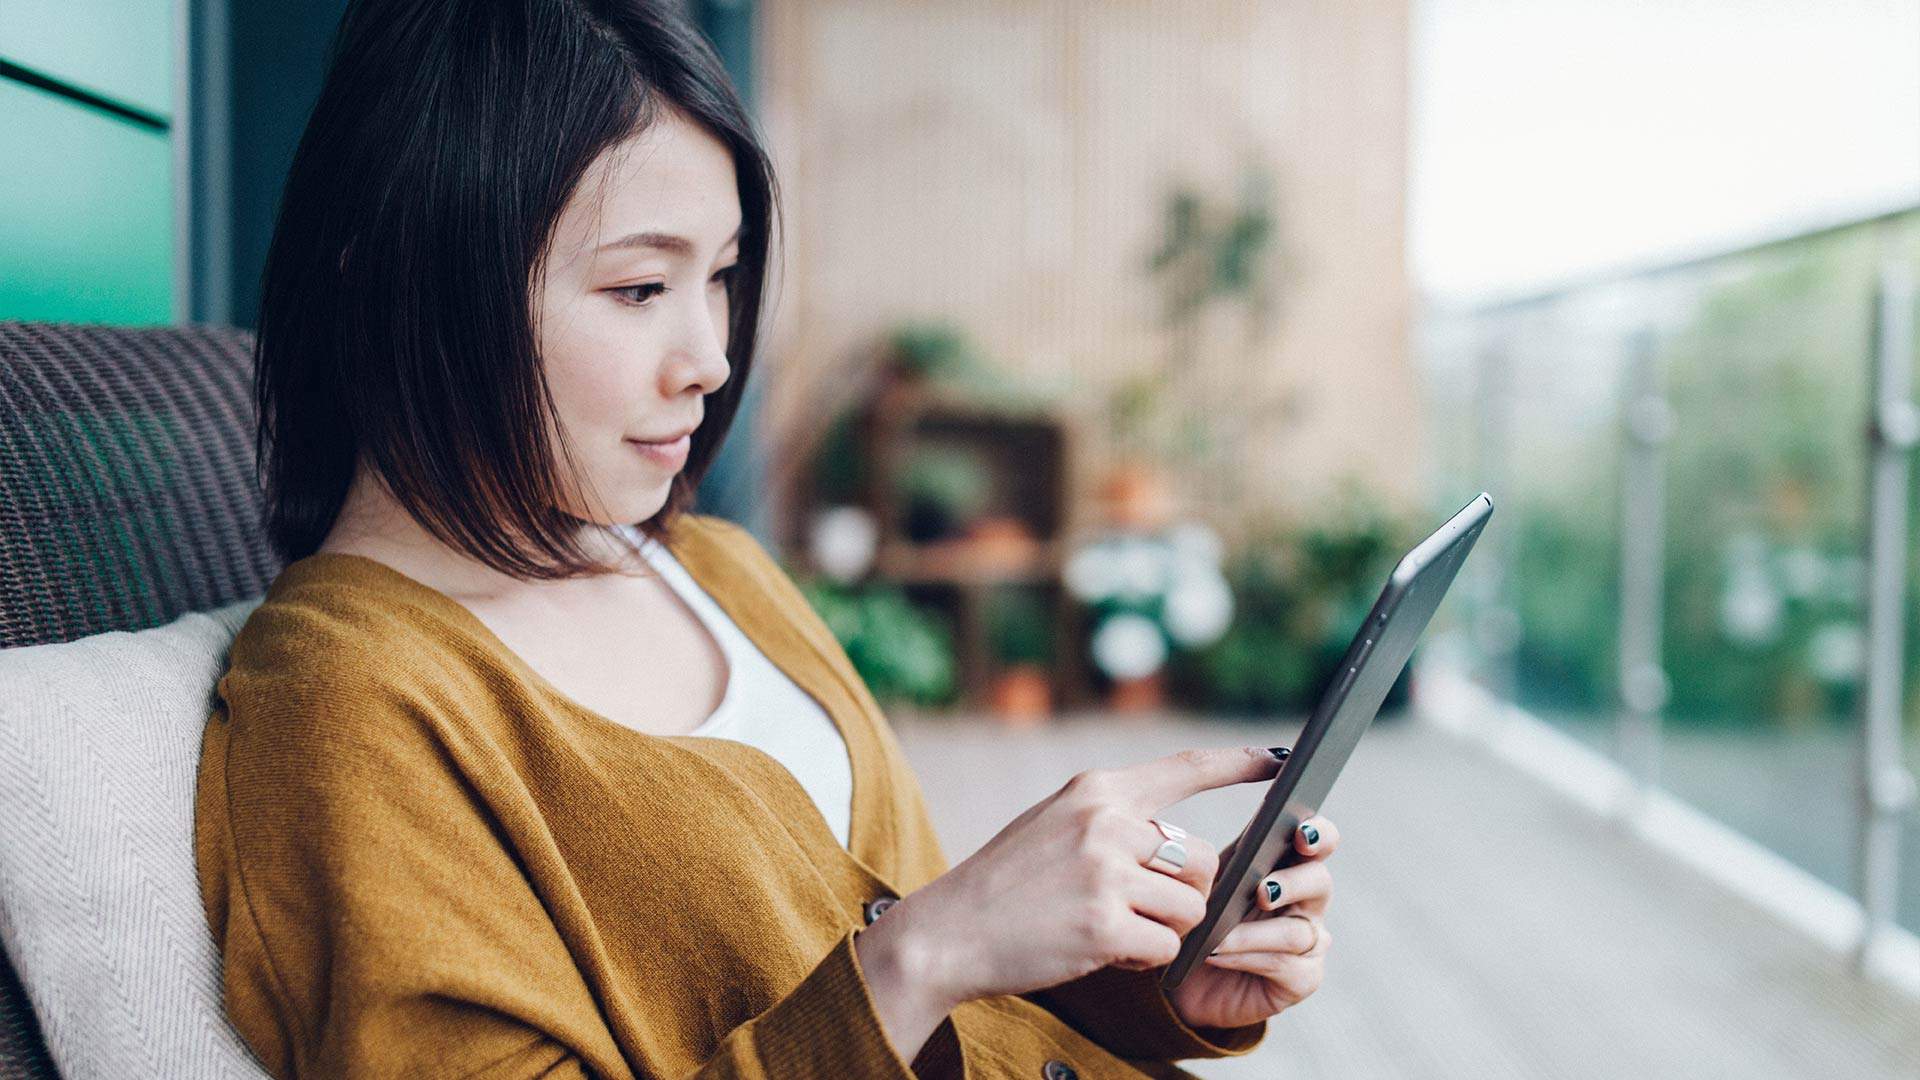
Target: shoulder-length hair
396	322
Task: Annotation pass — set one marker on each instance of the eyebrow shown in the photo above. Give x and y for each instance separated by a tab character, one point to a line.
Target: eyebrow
678	245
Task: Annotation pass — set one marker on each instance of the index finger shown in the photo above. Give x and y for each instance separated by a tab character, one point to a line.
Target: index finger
1152	786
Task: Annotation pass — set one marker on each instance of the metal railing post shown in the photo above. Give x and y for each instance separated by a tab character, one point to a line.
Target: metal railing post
1885	788
1647	419
1496	629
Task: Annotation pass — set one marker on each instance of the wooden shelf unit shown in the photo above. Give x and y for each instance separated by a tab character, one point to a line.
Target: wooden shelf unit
1028	458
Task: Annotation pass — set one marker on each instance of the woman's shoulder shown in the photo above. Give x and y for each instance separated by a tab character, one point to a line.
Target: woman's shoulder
354	630
338	613
343	649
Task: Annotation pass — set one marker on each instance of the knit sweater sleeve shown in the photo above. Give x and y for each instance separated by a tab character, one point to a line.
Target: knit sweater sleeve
373	921
1127	1012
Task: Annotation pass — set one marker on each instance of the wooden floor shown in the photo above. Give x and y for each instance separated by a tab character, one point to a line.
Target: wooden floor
1487	928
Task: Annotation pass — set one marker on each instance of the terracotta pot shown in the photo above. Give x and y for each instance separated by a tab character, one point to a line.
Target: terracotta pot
1001	543
1145	694
1136	495
1022	695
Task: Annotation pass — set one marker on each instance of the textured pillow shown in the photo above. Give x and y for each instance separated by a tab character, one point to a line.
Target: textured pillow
99	904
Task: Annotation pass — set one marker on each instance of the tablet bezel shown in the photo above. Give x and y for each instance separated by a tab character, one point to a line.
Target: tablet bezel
1232	896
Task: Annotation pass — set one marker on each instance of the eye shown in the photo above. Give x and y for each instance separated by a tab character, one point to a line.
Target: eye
642	293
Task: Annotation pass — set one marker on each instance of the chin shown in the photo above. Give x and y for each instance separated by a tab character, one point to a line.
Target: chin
630	506
643	508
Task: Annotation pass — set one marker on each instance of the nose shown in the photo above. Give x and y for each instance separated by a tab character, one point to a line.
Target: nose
702	360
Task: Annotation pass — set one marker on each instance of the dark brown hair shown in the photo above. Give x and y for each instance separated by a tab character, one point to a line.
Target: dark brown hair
396	321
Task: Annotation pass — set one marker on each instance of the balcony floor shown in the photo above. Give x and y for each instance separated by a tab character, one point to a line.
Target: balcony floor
1485	926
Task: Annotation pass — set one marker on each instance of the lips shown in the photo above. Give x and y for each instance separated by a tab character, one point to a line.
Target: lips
671	455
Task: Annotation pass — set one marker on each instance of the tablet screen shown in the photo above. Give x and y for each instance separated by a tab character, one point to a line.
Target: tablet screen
1373	662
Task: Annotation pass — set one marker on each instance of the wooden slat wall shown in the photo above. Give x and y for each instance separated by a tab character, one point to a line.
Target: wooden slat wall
1003	163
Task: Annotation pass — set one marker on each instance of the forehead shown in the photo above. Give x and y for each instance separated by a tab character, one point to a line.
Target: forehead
674	177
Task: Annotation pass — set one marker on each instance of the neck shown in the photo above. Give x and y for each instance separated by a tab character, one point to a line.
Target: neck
373	524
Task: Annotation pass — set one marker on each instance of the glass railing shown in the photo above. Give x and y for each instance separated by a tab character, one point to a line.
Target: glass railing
1681	576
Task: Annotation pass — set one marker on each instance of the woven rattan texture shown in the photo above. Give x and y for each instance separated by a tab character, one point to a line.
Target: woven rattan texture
128	497
22	1054
128	494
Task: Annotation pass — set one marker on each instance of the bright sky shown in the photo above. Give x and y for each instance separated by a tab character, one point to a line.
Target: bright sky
1556	137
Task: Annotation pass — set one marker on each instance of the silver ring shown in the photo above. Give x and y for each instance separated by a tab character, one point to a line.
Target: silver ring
1315	927
1171	855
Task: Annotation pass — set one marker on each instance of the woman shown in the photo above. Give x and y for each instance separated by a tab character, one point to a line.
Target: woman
503	784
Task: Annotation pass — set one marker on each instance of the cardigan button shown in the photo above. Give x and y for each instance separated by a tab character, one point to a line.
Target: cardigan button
878	907
1059	1070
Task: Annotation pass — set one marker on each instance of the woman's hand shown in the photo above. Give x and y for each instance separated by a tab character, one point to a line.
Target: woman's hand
1274	958
1064	889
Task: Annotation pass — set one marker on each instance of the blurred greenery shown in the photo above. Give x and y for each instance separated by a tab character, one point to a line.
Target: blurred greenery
1765	507
1767	465
1300	591
839	466
1765	482
1567	564
934	349
1019	630
903	652
941	488
1210	251
943	353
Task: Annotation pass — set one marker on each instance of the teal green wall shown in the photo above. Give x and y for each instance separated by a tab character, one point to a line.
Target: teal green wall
86	199
119	49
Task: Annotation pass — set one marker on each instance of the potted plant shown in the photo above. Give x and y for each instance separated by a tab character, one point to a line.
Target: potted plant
931	351
1136	496
840	470
1019	635
904	653
1299	593
1149	593
929	354
1212	262
941	489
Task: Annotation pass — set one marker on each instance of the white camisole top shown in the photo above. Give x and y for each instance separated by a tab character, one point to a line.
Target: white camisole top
761	705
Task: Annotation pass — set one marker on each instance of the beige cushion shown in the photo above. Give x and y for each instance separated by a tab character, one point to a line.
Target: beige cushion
99	905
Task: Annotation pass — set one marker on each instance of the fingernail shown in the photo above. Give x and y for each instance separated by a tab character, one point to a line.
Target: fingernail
1273	891
1312	834
1280	752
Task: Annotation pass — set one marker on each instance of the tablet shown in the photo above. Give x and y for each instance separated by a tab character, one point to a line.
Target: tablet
1372	664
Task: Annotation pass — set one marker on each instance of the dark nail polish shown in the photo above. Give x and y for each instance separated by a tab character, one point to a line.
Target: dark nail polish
1273	891
1280	752
1312	834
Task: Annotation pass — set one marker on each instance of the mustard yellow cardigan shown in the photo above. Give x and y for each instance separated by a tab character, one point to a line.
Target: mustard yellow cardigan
420	858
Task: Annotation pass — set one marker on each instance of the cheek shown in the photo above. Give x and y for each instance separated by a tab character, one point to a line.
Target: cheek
594	383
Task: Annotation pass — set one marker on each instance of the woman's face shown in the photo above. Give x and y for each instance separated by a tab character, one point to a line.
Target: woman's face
632	313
